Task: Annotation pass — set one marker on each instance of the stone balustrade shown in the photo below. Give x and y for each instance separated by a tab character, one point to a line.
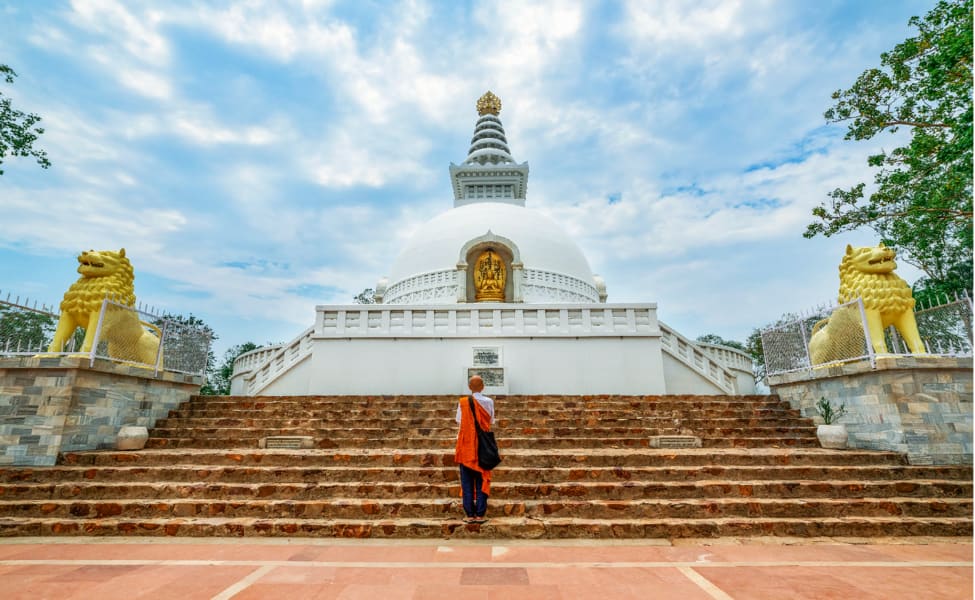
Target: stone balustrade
486	319
690	353
730	357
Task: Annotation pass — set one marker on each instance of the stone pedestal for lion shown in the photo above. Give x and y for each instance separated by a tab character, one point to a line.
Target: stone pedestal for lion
67	403
920	406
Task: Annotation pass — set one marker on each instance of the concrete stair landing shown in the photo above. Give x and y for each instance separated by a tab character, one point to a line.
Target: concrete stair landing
574	467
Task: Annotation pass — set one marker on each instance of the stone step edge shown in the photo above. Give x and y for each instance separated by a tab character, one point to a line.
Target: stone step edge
529	527
570	454
298	469
502	484
495	502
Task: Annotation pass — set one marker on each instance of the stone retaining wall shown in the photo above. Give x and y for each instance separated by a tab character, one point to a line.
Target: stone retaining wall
917	405
51	405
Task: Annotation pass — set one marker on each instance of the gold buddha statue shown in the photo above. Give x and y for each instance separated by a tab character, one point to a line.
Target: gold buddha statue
489	277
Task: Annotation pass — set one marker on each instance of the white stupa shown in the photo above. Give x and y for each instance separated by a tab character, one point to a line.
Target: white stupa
494	287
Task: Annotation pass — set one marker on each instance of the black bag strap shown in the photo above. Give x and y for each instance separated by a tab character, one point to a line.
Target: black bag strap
470	399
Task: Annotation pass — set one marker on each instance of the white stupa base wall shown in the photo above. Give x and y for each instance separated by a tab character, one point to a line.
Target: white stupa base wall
441	366
519	349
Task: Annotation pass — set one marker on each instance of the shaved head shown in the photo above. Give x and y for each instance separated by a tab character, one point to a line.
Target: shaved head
476	383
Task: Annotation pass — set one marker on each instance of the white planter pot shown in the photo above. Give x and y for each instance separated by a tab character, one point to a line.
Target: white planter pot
131	437
832	436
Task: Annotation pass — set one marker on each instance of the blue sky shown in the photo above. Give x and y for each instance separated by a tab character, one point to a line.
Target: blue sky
258	158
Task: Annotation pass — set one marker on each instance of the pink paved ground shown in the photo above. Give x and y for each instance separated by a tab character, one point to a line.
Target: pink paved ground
186	569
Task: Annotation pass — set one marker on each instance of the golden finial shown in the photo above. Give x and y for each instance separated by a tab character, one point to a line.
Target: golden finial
488	104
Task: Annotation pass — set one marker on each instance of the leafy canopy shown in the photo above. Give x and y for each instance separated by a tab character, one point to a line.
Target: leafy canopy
921	202
18	130
218	380
366	296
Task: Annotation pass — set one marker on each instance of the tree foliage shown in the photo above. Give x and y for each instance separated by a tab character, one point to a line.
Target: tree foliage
24	329
18	130
922	200
218	381
711	338
366	296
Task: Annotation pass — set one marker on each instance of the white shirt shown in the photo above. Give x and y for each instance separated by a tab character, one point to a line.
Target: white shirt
485	402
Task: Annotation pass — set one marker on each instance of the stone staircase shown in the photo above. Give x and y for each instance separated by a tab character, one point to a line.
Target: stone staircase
574	467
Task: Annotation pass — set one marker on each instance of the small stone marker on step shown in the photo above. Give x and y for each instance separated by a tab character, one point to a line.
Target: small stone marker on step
675	441
289	442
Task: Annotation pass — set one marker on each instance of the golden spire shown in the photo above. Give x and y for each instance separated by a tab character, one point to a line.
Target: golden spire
488	104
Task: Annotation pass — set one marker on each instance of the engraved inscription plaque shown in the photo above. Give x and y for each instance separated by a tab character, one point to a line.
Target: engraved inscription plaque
487	357
493	377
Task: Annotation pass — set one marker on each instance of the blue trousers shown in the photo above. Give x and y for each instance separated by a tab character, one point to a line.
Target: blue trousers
475	501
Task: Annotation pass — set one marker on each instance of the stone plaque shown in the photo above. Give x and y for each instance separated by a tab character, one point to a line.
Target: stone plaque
281	442
487	357
493	377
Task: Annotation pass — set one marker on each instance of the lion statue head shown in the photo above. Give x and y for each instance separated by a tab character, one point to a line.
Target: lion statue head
868	273
103	273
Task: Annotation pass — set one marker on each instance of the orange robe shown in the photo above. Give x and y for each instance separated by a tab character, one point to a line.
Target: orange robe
466	451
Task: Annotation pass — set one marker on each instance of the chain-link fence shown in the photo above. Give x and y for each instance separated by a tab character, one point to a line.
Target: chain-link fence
945	329
840	334
823	335
122	334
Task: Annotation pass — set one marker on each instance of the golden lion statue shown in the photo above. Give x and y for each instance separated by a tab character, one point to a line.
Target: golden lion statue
866	273
104	274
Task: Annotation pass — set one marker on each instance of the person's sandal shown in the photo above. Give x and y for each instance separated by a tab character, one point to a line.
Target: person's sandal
479	520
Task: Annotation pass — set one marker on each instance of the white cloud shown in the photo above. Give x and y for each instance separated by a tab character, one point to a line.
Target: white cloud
136	35
146	83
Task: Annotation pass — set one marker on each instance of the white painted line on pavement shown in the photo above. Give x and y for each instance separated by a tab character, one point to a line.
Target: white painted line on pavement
705	584
244	583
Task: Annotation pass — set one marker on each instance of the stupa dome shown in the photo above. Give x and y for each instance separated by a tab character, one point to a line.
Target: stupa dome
541	263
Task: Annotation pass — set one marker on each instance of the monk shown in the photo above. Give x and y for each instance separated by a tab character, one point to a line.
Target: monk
475	483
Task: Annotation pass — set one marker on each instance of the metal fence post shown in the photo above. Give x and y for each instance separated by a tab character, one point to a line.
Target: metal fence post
866	334
159	350
206	359
805	342
98	332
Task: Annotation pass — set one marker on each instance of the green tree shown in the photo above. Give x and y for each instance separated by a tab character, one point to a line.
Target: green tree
366	296
18	130
218	383
932	292
25	330
711	338
922	200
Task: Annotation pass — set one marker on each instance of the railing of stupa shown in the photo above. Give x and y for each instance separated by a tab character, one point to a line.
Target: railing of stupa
255	358
691	354
731	357
497	320
276	361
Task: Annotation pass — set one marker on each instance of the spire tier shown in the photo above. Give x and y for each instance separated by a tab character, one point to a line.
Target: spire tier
489	173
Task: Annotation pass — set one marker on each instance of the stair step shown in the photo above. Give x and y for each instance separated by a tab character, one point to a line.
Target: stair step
497	527
281	474
447	422
499	489
601	457
504	443
355	508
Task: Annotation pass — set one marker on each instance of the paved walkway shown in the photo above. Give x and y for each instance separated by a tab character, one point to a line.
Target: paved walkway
776	568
